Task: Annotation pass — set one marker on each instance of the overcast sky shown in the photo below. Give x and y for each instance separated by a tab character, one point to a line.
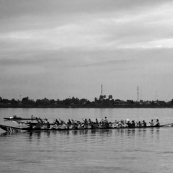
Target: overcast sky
60	48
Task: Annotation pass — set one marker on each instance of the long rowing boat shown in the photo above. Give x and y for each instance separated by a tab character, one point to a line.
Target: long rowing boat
37	124
60	128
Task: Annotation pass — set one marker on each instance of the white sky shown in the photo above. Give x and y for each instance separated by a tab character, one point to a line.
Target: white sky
61	48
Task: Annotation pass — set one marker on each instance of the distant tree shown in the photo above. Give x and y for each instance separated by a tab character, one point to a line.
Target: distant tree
172	101
25	99
5	101
14	102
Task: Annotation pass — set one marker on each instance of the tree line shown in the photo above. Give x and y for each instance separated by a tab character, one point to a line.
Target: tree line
82	103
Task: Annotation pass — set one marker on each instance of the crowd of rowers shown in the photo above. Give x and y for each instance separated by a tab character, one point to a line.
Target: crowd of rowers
88	124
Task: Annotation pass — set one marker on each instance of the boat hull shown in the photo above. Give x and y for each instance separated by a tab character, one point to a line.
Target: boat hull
10	128
19	119
20	129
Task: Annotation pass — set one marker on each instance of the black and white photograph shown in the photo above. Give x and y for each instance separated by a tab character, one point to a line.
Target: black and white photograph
86	86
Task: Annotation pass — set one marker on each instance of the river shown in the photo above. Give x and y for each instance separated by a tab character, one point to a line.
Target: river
89	151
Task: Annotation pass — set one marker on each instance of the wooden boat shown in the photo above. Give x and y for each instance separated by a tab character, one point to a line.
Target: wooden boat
34	124
44	128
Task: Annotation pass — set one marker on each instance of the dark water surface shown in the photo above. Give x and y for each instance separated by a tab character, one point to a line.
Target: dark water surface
89	151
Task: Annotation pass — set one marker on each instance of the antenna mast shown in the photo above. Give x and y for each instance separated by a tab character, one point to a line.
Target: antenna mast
138	94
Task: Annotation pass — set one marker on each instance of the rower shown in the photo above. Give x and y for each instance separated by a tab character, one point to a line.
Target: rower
106	121
48	124
129	124
61	122
14	116
144	123
69	122
157	123
90	121
37	120
151	123
133	124
72	121
57	122
45	121
85	122
139	124
40	120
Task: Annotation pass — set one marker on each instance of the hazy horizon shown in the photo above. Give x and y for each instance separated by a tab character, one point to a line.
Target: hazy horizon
58	49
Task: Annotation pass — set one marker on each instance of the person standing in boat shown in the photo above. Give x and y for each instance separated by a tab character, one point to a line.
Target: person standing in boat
106	123
106	120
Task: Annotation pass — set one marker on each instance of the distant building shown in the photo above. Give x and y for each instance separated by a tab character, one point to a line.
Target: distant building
101	97
130	102
25	99
118	102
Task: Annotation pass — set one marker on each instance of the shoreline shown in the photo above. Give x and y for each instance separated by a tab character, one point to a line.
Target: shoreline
102	107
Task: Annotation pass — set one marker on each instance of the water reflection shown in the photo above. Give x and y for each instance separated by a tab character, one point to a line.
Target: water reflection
107	132
34	136
78	133
4	134
92	150
141	132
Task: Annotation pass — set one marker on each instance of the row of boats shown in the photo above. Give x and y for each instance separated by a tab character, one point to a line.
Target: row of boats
35	124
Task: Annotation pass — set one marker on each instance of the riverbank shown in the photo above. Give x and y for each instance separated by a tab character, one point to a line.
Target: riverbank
87	106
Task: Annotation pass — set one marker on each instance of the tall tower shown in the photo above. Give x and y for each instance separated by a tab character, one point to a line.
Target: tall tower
137	93
101	96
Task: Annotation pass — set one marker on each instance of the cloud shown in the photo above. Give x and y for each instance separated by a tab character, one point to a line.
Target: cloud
148	28
17	8
64	44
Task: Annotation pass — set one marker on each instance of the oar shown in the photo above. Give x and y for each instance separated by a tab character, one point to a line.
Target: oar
167	125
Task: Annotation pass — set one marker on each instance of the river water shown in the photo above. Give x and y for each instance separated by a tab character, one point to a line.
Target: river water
88	151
